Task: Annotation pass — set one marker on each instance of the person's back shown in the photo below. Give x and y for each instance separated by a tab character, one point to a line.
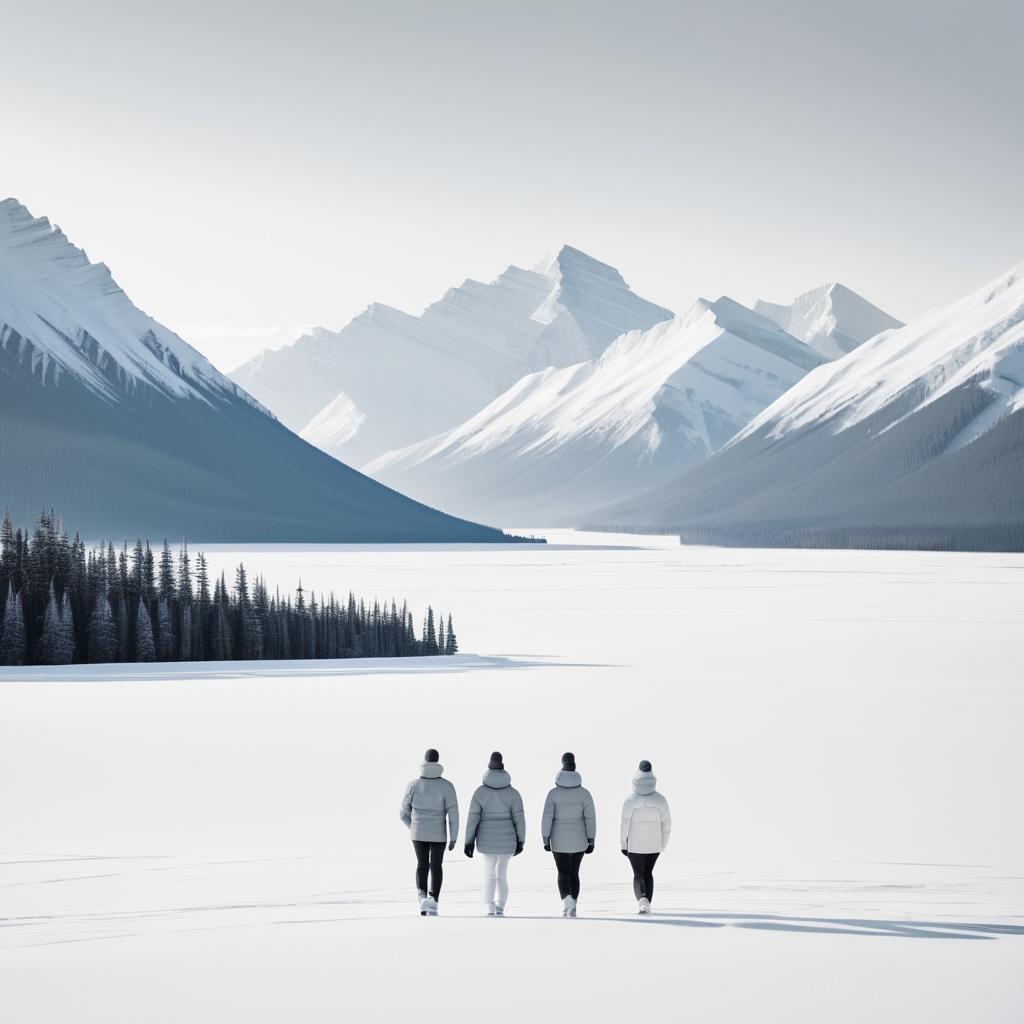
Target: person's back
568	828
569	814
496	826
430	799
430	810
645	832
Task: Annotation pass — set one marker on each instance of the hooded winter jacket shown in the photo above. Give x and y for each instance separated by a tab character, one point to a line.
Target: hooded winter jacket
646	821
570	822
427	802
496	819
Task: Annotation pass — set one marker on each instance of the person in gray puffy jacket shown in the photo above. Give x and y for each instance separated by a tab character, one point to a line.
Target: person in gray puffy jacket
645	832
429	803
496	826
568	827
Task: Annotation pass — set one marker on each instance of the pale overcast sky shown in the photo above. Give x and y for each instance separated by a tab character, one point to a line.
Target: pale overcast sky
247	169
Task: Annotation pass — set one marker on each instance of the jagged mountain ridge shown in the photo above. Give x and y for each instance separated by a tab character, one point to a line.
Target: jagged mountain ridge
914	439
389	379
561	440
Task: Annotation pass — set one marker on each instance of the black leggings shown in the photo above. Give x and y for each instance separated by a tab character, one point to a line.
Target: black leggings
429	857
568	865
643	874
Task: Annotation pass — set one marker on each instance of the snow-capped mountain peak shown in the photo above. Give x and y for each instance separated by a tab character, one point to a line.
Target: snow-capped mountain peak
389	379
113	419
831	318
655	401
75	319
913	439
979	339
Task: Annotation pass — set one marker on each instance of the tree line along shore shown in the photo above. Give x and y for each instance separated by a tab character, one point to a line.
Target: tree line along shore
61	603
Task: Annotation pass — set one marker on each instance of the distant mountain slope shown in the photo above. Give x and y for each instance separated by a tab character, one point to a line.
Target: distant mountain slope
832	319
560	441
389	379
916	439
123	427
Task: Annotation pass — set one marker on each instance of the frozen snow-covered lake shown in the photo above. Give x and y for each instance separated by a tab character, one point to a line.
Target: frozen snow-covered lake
839	734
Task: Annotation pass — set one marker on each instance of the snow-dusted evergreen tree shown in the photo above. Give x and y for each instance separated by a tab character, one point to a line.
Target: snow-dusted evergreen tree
430	634
67	631
145	649
123	632
165	646
12	635
165	579
102	632
50	640
451	645
185	643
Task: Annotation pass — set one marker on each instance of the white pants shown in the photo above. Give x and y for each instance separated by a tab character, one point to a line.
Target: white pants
496	878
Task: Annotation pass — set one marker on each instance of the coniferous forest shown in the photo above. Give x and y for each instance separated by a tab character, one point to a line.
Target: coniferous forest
61	603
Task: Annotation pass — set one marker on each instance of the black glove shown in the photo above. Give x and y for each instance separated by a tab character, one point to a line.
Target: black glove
625	853
451	846
547	846
590	848
519	849
469	849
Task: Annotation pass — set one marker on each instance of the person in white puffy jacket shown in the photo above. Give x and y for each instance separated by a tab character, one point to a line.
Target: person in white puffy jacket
646	827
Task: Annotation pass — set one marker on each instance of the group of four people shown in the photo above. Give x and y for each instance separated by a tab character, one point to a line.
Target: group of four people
496	827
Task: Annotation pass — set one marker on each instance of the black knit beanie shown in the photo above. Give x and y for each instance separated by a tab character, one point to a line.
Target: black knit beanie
496	764
431	756
645	766
569	762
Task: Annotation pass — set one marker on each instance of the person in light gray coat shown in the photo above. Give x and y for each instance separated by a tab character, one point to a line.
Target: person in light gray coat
496	826
429	803
569	827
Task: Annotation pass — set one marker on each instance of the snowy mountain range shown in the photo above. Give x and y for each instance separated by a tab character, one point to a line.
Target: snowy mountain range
561	441
124	428
915	438
539	397
389	379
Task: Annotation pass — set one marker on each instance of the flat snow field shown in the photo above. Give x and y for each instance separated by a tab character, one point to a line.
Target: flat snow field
839	734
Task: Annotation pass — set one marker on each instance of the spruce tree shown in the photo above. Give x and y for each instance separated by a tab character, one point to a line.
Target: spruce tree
102	633
185	648
166	574
429	633
122	632
451	644
12	635
7	549
145	649
165	631
67	631
50	639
